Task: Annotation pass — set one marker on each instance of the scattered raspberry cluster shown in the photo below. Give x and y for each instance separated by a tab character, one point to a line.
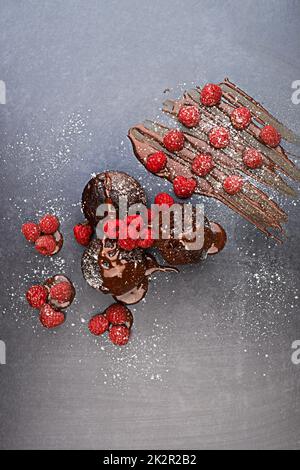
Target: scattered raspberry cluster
117	320
45	235
50	298
219	138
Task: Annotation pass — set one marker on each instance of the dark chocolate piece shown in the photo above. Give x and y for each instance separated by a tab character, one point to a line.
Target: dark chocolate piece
123	274
178	251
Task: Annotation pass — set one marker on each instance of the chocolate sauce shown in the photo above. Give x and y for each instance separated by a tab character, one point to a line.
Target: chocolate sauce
251	203
106	188
59	242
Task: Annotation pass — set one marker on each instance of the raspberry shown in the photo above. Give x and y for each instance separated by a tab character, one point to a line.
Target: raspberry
156	162
37	296
233	184
270	136
240	118
62	292
127	244
252	158
51	318
98	324
184	187
45	245
146	240
219	137
211	94
189	116
83	233
117	314
164	198
202	164
119	335
31	231
49	224
174	141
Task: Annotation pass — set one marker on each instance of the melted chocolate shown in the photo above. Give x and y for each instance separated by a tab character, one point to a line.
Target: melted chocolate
183	250
252	203
106	188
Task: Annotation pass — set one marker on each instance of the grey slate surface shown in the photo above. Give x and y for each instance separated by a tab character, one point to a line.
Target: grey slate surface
209	364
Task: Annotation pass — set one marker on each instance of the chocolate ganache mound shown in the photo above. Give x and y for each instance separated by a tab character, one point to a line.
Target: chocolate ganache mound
186	248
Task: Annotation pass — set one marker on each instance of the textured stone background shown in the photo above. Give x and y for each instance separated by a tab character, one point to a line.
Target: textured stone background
209	363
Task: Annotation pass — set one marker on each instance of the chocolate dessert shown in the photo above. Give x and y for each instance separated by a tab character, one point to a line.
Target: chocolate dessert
226	143
182	250
123	274
107	188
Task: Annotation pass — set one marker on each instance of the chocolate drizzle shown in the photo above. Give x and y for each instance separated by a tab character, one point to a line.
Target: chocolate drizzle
252	203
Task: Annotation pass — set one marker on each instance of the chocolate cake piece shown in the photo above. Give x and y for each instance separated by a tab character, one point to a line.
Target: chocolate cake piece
251	203
123	274
106	188
53	281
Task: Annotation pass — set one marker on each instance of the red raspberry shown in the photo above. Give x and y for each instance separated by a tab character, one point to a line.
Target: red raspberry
270	136
219	137
127	244
174	141
211	94
184	187
164	198
37	296
202	164
252	158
156	162
83	233
31	231
49	224
117	314
119	334
134	225
146	240
45	245
240	118
62	292
51	318
98	324
189	116
233	184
